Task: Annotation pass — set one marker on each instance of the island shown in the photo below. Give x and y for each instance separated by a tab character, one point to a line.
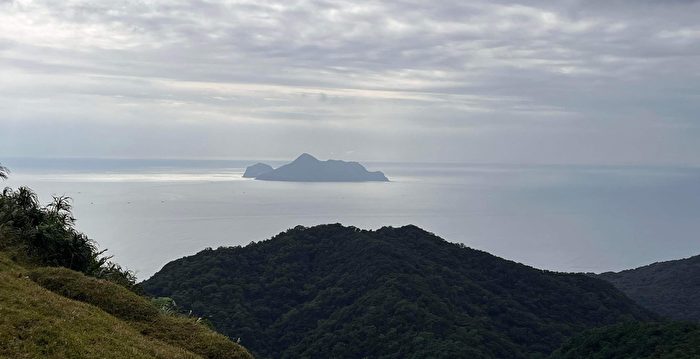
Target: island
307	168
256	170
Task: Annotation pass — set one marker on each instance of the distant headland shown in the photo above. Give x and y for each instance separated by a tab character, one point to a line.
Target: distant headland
307	168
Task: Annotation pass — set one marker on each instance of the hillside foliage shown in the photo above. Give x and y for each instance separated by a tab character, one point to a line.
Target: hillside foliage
671	288
334	291
673	340
46	236
59	313
62	298
139	312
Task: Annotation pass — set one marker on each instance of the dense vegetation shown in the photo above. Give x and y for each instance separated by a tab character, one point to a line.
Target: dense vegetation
334	291
671	288
66	311
635	340
46	235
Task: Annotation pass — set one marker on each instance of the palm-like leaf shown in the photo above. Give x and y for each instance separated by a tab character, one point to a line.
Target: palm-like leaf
4	172
61	207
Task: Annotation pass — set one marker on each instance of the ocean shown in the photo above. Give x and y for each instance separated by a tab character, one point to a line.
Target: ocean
562	218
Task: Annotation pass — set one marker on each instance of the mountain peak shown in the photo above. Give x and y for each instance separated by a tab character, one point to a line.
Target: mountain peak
305	157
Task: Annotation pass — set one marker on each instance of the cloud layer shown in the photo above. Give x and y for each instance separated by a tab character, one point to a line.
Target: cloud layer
488	81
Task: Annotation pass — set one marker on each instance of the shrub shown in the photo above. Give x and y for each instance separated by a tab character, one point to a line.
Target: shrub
47	236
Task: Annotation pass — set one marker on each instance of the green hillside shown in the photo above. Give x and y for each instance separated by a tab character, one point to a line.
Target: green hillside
635	341
82	317
91	310
334	291
671	288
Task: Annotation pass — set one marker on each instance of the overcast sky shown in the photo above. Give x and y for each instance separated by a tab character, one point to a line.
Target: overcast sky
599	82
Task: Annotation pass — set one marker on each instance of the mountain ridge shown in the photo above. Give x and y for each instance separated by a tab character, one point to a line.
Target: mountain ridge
335	291
670	288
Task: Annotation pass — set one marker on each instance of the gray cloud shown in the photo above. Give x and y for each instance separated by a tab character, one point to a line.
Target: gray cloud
536	81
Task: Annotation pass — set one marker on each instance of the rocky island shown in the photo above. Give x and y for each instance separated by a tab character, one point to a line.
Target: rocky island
307	168
256	170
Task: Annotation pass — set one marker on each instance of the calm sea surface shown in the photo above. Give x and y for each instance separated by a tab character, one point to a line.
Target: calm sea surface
149	212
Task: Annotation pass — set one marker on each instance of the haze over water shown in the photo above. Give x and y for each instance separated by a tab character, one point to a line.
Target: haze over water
564	218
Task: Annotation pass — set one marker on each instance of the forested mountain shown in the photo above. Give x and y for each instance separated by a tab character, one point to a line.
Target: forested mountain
334	291
671	288
673	340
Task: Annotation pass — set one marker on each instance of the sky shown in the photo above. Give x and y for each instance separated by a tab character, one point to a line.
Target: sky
567	82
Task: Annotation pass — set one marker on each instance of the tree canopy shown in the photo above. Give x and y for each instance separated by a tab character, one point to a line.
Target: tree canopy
335	291
670	288
675	340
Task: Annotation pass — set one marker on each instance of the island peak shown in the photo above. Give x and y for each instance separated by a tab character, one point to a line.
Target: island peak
305	157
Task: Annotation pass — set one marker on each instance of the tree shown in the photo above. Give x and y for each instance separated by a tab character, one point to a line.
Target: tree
61	208
47	235
4	172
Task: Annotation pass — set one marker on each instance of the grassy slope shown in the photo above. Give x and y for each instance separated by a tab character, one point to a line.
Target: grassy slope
37	323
